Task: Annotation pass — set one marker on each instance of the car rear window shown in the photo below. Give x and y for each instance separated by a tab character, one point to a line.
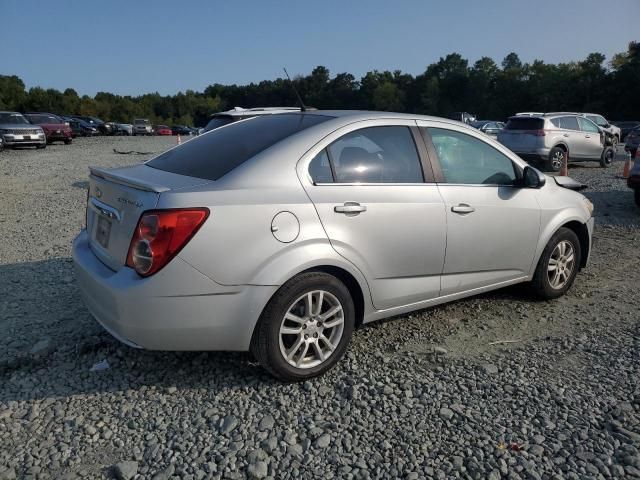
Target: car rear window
217	122
216	153
525	123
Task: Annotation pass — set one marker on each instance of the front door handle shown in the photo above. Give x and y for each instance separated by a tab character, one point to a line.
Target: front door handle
565	134
350	208
463	208
587	136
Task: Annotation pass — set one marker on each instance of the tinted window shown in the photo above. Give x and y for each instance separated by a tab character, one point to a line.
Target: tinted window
320	168
588	126
376	155
218	152
468	160
217	122
525	123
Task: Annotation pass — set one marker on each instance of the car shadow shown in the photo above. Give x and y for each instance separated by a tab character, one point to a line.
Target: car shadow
51	343
84	184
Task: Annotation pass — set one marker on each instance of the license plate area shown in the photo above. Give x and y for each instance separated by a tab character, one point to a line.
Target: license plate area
26	137
103	231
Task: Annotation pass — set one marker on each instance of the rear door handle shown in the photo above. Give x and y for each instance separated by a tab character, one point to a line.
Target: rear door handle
463	208
350	208
565	134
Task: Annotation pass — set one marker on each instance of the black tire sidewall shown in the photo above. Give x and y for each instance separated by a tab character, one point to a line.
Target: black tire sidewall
603	159
541	278
265	344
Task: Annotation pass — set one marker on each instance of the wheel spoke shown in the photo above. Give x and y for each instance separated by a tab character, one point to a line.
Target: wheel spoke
292	351
320	301
333	323
324	317
308	304
290	331
294	318
327	342
305	349
319	352
569	259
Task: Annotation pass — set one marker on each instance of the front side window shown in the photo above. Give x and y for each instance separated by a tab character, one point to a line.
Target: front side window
468	160
376	155
587	125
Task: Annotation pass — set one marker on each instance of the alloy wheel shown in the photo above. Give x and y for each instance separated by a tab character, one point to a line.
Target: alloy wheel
561	264
311	329
557	160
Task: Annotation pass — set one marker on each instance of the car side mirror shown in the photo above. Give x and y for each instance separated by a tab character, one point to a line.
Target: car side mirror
532	178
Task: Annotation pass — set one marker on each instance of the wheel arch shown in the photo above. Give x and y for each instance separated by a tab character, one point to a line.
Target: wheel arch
582	232
574	222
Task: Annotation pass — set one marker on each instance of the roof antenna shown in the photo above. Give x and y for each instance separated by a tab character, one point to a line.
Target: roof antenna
303	107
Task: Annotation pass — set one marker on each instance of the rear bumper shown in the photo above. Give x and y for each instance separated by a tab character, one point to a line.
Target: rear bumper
176	309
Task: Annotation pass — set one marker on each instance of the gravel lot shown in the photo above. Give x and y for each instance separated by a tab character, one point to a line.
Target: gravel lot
424	396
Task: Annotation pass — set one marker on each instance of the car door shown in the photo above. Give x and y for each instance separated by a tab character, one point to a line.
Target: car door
492	224
592	138
380	208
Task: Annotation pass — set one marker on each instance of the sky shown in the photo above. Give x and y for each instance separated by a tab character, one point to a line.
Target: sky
132	47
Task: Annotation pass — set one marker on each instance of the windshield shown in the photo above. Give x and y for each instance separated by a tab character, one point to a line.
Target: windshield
214	154
13	119
217	122
42	119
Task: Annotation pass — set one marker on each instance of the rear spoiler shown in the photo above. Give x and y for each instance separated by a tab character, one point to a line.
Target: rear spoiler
117	176
570	183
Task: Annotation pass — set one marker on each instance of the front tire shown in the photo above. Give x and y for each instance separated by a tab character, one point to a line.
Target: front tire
606	159
67	141
556	159
558	265
305	328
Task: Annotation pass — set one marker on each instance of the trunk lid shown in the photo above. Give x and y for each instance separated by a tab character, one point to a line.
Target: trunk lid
116	200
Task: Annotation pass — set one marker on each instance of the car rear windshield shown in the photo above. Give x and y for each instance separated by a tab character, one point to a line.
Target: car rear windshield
216	153
525	123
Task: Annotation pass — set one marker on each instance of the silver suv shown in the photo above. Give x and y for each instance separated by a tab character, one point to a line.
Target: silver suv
142	126
548	138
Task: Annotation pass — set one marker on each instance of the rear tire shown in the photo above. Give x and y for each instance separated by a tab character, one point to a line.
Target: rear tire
67	141
297	336
41	147
556	158
558	265
606	159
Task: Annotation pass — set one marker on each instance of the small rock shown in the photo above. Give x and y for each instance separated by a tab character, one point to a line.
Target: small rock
446	413
171	390
125	470
229	423
489	368
43	348
258	470
266	423
323	441
164	474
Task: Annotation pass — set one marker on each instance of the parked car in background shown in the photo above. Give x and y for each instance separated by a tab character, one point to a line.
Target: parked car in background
182	130
124	129
80	128
632	141
96	123
162	130
15	130
549	138
55	128
633	181
613	132
238	113
489	127
625	127
280	233
464	117
142	126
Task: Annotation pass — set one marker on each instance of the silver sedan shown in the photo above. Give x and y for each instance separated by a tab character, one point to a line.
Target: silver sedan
279	234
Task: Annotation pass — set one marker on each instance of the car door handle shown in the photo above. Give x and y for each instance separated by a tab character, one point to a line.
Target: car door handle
352	208
565	134
587	136
463	208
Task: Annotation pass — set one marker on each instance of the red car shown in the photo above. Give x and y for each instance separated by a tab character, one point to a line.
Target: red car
163	130
55	128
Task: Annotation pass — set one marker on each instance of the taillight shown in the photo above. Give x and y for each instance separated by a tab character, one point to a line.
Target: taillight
160	235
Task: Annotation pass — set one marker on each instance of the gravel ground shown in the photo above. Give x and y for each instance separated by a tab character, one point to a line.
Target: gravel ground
429	395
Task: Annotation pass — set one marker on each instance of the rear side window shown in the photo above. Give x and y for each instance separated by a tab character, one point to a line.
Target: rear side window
566	123
376	155
216	153
467	160
525	123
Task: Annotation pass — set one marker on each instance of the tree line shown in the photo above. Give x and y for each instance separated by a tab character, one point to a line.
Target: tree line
451	84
